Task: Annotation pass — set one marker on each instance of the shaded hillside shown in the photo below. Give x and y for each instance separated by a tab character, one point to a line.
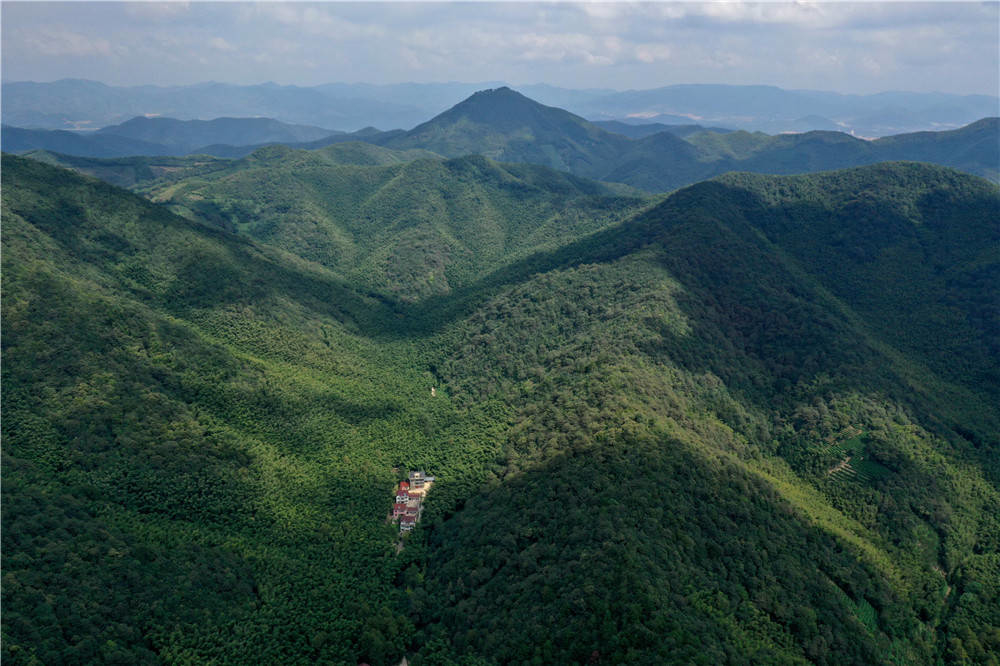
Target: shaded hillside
660	434
187	430
919	264
708	352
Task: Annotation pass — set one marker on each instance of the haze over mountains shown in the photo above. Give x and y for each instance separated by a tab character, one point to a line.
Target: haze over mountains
507	126
75	104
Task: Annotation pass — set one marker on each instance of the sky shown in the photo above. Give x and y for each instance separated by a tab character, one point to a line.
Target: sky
866	47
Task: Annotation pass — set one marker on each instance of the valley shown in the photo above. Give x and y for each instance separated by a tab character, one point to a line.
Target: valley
481	334
208	391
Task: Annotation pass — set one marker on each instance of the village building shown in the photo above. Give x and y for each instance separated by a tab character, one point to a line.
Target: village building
407	507
412	508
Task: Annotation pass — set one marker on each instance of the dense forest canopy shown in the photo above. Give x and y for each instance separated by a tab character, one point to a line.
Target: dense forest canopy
753	421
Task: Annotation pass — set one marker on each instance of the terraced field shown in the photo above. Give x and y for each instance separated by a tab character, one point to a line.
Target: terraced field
856	462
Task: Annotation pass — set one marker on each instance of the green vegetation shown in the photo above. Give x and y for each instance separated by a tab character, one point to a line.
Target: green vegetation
637	406
410	229
507	126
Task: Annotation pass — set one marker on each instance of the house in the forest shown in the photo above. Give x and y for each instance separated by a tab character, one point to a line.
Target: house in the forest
409	494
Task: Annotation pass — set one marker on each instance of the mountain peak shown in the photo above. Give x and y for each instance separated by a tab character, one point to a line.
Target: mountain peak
504	109
502	91
494	98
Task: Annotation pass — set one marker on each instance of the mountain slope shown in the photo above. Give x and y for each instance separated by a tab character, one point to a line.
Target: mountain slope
18	140
508	127
668	439
972	149
704	351
189	135
641	130
409	229
179	407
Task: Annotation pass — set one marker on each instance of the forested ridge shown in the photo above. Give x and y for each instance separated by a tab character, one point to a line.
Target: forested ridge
504	125
642	414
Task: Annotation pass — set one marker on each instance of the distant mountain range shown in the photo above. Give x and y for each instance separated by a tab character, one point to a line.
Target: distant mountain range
81	104
162	136
506	126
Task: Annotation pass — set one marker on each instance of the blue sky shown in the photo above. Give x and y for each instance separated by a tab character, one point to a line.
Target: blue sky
846	47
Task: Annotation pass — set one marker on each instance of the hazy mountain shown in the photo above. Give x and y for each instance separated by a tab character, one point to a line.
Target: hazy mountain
642	130
73	104
222	137
77	104
771	109
189	135
19	140
753	421
506	126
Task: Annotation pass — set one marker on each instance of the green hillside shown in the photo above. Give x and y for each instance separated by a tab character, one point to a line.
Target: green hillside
662	398
642	414
410	229
131	172
198	436
506	126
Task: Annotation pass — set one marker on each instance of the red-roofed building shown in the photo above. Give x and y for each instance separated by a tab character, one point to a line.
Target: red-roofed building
402	496
406	523
398	509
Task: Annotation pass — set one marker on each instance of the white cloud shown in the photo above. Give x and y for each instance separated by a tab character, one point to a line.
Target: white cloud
156	11
848	46
56	42
220	44
314	20
650	53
